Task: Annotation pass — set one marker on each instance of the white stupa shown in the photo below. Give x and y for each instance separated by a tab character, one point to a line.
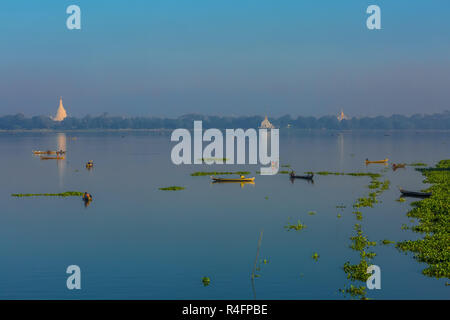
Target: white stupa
61	114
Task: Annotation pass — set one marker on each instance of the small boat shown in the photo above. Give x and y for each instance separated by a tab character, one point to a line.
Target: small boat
90	164
377	161
396	166
49	152
241	179
53	158
307	177
417	194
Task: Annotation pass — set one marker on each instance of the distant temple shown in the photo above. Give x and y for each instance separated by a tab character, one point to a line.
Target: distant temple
61	113
342	116
265	124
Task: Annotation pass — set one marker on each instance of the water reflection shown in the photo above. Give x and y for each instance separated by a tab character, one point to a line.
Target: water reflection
61	164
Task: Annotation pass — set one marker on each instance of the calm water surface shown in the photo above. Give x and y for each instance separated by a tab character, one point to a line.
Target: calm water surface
137	242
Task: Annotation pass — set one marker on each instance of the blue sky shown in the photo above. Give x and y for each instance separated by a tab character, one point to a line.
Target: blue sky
226	57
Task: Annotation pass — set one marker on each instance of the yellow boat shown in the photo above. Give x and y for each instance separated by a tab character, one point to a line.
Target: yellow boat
377	161
48	152
50	158
241	179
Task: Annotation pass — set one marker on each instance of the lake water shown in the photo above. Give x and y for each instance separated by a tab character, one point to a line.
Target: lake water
137	242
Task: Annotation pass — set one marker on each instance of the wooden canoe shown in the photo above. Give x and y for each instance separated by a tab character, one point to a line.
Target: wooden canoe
307	177
233	180
377	161
416	194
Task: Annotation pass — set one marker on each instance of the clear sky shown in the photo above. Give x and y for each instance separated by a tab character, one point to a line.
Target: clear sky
225	57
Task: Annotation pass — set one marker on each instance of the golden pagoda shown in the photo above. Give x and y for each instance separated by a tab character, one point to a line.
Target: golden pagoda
265	124
342	116
61	114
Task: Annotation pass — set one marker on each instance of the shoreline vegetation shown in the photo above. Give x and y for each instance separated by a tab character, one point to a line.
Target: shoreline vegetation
437	121
62	194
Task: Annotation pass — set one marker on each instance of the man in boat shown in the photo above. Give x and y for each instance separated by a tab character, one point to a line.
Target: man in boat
87	196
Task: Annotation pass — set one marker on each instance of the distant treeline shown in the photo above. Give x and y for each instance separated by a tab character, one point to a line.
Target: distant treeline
439	121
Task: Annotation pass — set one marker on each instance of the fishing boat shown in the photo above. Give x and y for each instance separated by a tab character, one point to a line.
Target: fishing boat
377	161
307	177
53	158
396	166
241	179
416	194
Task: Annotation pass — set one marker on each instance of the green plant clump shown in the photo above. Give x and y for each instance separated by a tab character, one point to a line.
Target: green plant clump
299	226
172	188
206	281
63	194
434	222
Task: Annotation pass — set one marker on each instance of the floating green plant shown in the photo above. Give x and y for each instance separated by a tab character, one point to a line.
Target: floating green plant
433	216
172	188
311	213
214	173
286	166
339	215
417	164
386	242
401	199
266	197
63	194
283	172
206	281
315	256
299	226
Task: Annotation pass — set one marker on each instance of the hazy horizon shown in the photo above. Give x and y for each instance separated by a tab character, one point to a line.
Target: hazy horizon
170	58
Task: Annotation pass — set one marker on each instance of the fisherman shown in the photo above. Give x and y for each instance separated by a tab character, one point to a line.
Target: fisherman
87	196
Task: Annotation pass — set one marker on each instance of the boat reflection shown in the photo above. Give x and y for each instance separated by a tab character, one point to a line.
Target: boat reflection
242	183
308	180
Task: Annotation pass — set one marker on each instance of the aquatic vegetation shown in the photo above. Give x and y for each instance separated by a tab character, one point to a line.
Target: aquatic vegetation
62	194
172	188
284	172
286	166
206	281
358	214
434	222
266	197
315	256
214	173
386	242
401	199
341	207
417	164
355	291
365	202
360	242
311	213
339	215
299	226
357	272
